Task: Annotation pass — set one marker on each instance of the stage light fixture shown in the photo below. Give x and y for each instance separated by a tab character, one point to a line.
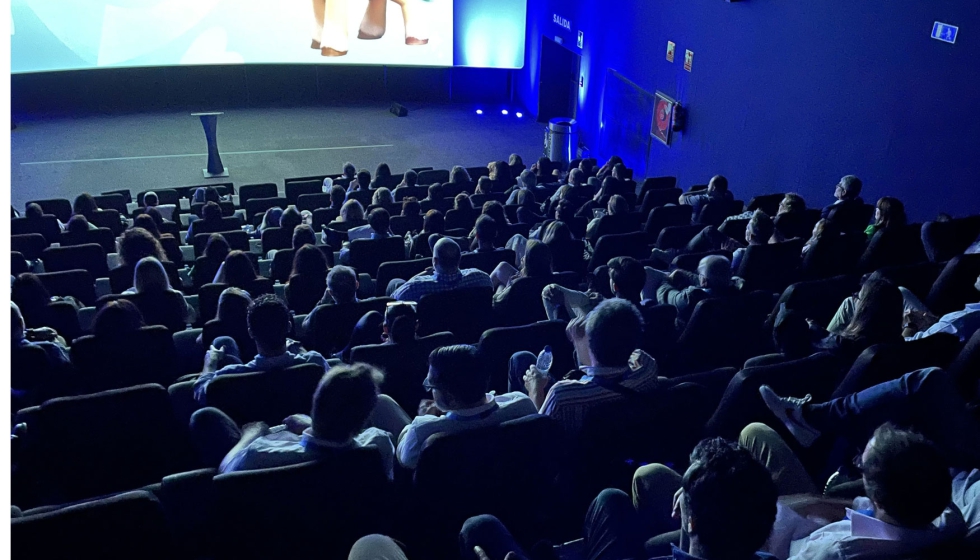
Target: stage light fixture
519	115
479	111
503	111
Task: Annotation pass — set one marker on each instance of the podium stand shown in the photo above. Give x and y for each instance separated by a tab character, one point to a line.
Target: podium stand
210	122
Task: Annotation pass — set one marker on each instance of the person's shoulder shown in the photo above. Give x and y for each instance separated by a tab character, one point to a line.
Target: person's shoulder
475	273
516	400
311	357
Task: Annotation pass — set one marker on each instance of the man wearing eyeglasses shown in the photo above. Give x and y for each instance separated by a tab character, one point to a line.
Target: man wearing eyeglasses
460	401
922	494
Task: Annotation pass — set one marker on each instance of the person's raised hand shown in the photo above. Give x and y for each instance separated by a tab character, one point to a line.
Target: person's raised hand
427	407
256	429
297	423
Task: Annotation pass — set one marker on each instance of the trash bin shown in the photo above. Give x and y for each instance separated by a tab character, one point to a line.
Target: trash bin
561	140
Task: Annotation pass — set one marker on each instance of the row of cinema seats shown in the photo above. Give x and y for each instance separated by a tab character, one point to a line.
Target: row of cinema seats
130	441
178	510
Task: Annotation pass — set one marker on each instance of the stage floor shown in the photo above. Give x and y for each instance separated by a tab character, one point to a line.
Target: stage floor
52	158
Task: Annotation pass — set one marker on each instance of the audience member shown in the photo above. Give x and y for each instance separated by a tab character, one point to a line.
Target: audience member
343	402
607	342
307	280
271	219
617	206
536	263
269	324
78	224
791	337
432	223
44	338
151	200
914	505
84	205
117	320
211	221
33	211
684	290
137	243
847	192
889	213
34	300
337	197
460	401
214	255
626	281
459	177
290	218
486	234
434	192
877	319
758	231
697	200
350	172
445	275
151	282
237	271
382	197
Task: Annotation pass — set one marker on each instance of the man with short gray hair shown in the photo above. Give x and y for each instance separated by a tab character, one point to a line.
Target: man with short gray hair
684	290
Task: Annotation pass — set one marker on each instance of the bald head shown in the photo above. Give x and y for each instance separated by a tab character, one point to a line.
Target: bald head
445	256
715	272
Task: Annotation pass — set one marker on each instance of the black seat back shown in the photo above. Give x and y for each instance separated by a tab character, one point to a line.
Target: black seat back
464	312
622	245
76	283
954	288
404	365
102	237
147	356
297	189
733	324
498	344
46	225
487	261
331	325
30	245
90	257
121	527
237	240
770	267
366	255
257	206
266	396
165	196
662	217
348	492
944	240
313	201
57	207
404	270
528	448
116	440
161	308
768	203
400	225
276	238
109	219
257	190
112	201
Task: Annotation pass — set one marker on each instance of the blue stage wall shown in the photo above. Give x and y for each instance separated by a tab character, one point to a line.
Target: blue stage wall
789	96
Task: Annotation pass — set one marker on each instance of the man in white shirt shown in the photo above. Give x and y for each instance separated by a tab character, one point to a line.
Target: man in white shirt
458	382
920	322
907	477
342	404
606	342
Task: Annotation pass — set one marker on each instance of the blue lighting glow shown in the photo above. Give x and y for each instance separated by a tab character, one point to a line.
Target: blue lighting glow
519	115
479	111
503	112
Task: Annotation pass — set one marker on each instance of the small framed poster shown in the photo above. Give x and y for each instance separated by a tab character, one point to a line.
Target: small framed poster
663	118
